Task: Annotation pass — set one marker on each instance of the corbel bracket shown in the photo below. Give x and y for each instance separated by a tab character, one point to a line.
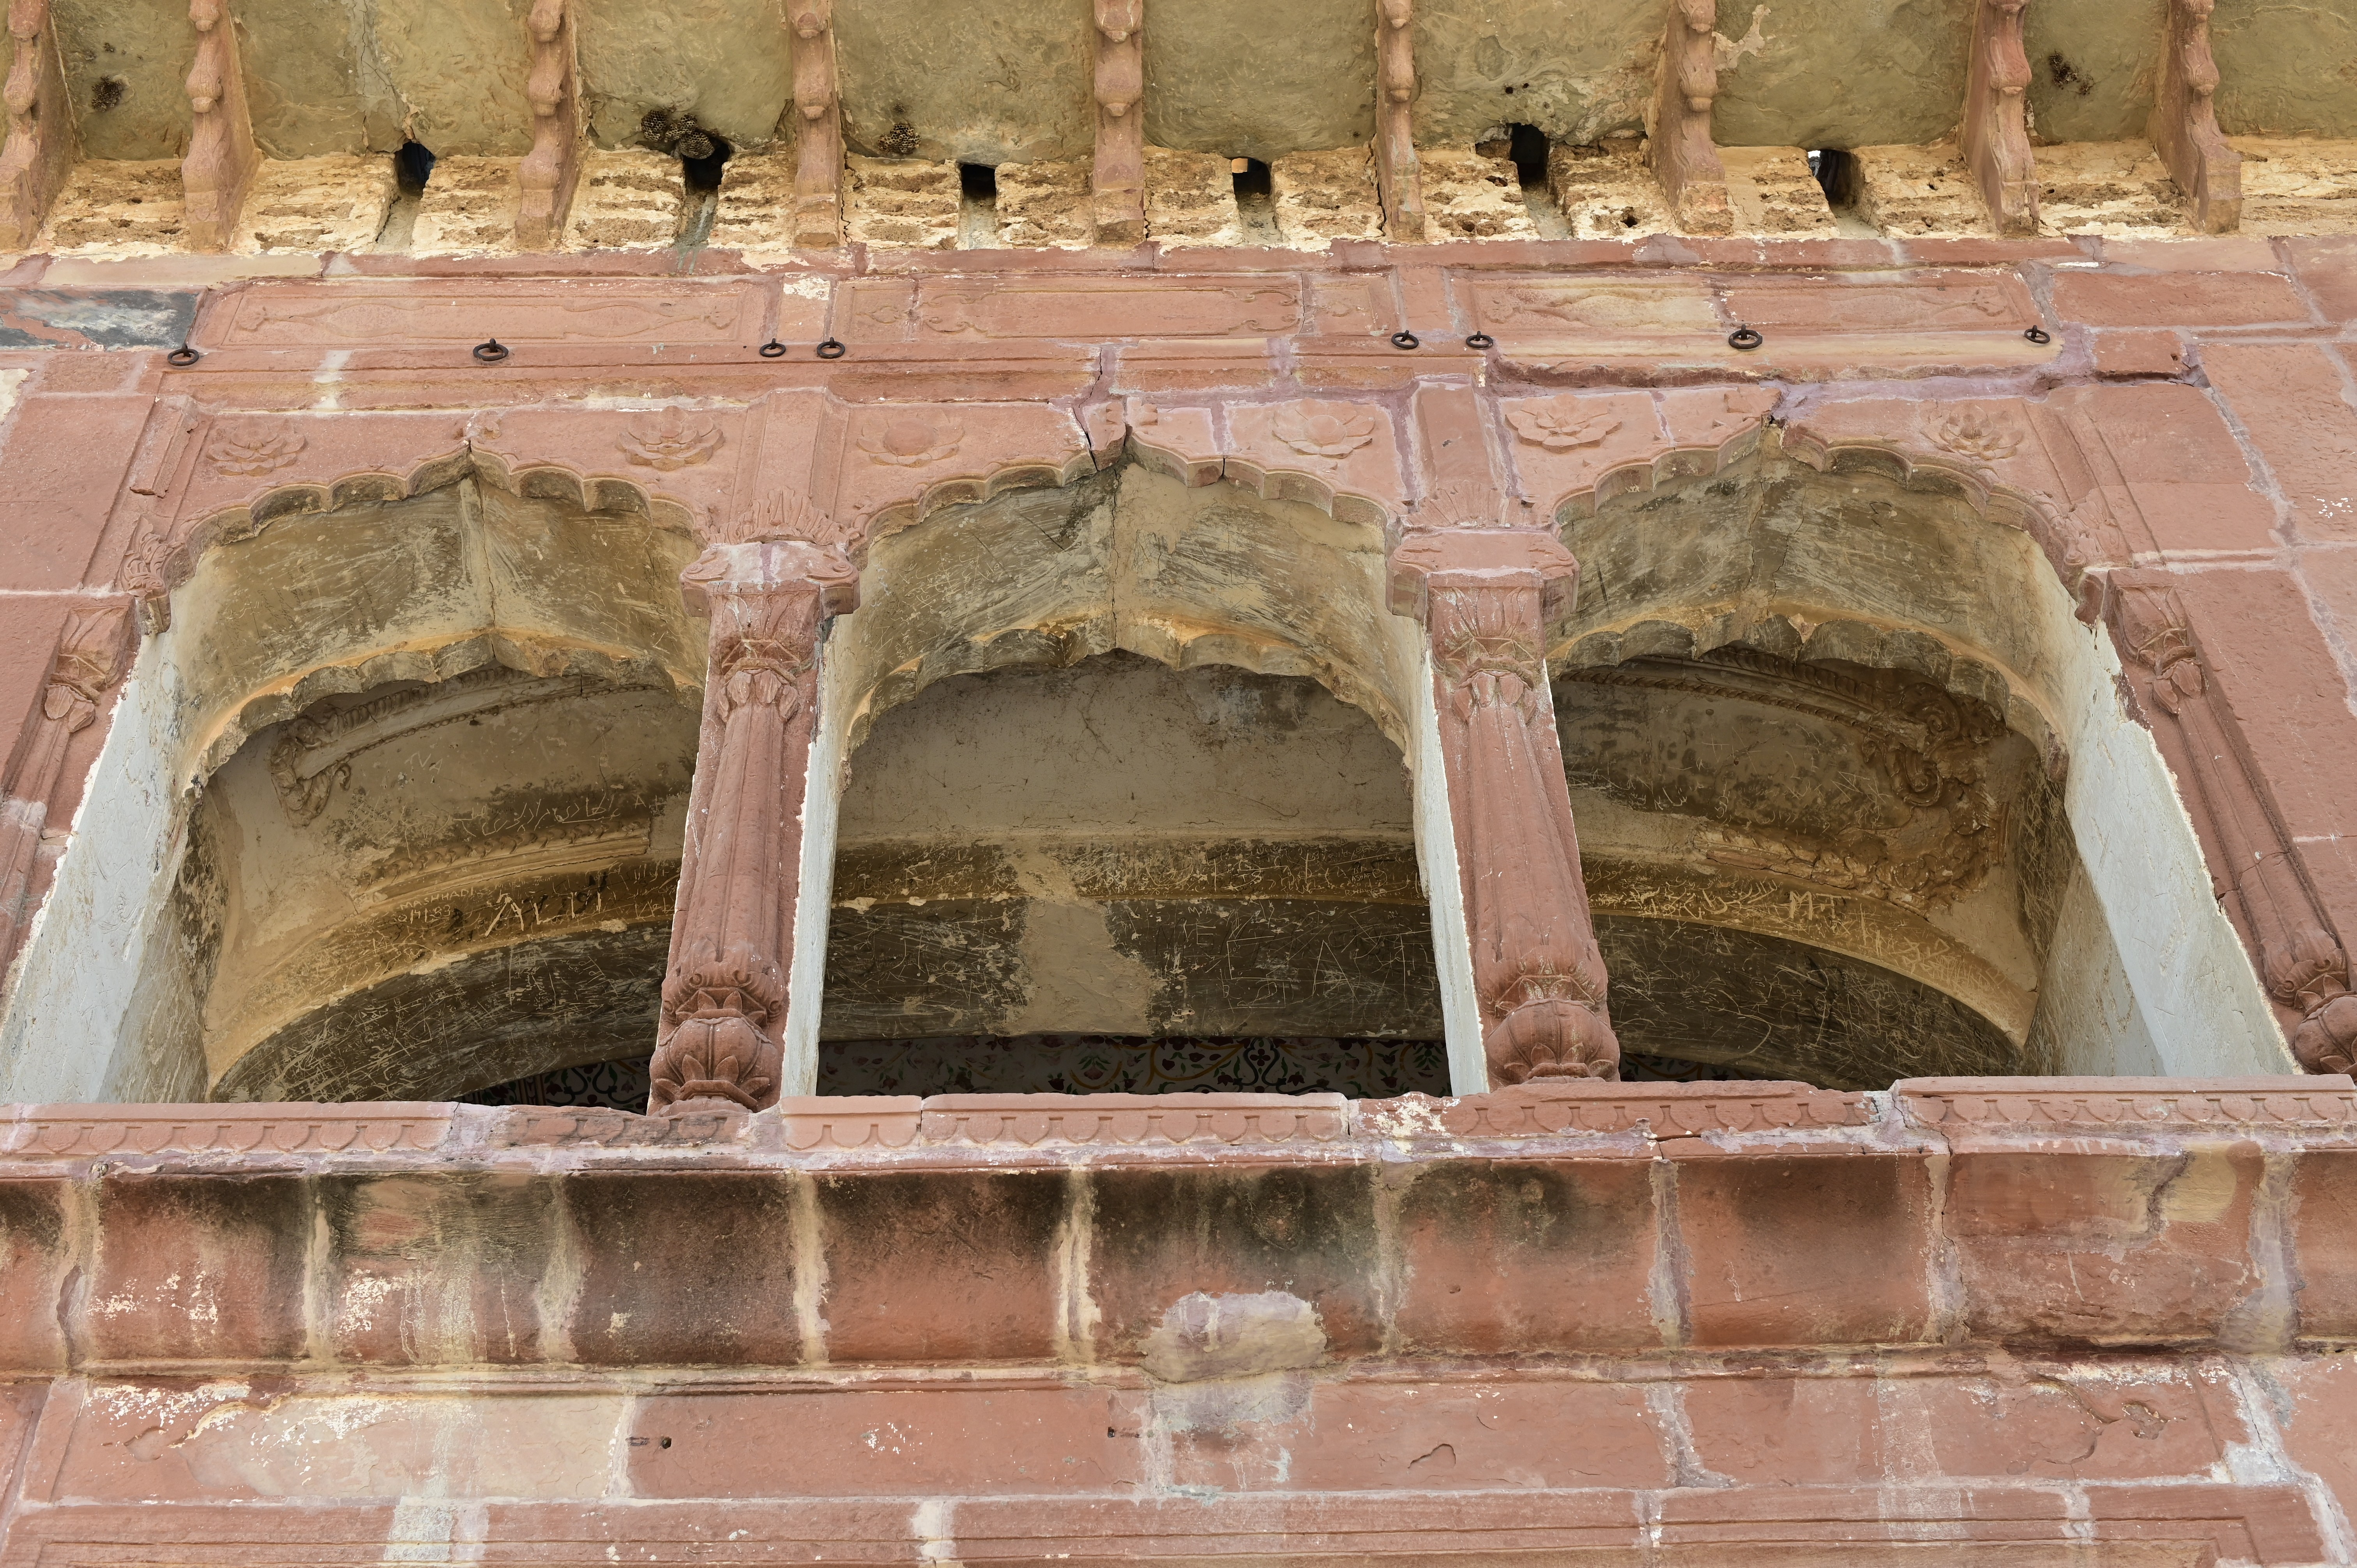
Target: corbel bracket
553	168
818	136
1684	158
1997	123
220	167
2184	123
1117	178
40	127
1397	179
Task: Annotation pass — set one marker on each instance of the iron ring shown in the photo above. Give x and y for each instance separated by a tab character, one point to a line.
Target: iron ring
772	350
1404	338
831	349
183	355
2039	335
1480	340
1744	339
490	350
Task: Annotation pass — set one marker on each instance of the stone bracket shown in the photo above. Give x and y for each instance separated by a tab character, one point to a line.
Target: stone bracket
1996	133
818	136
1117	175
553	168
223	158
1398	183
40	145
2184	123
1686	162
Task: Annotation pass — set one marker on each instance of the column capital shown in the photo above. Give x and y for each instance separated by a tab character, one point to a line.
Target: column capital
770	565
1482	558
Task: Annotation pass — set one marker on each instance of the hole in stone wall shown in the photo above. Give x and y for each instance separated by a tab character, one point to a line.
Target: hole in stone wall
977	206
1527	146
1837	174
412	166
1251	177
701	170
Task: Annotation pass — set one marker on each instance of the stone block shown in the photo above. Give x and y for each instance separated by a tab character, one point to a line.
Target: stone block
2185	473
1794	1249
2179	299
468	206
1514	1258
1326	196
2326	268
34	1266
950	1267
1046	205
2317	1418
1190	198
2295	403
625	199
2241	1524
1471	196
2288	696
906	204
60	466
991	1438
756	209
1607	192
2323	1224
1160	1235
198	1268
2106	187
685	1267
333	203
1273	1435
2298	186
2075	1247
438	1270
119	206
1773	193
2135	352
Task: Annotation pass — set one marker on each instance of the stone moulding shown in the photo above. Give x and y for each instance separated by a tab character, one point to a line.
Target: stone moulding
1565	1116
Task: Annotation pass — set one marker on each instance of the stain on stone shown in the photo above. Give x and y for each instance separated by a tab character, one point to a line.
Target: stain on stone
1712	995
462	1024
110	318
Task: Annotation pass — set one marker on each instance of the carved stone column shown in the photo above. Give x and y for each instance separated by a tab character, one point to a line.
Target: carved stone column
90	659
724	999
1484	596
2300	957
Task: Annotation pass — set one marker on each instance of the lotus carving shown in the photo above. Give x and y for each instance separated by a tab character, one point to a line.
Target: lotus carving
1328	430
674	440
259	452
909	443
1561	427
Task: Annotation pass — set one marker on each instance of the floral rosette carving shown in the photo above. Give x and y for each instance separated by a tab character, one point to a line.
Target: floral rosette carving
1976	434
675	439
250	454
1564	426
911	442
1328	430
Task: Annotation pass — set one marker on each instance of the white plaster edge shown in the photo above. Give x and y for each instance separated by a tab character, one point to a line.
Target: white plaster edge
1435	855
2192	979
814	897
87	944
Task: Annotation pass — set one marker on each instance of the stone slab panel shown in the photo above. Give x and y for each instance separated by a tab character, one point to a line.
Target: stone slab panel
2294	402
683	1267
60	467
2086	1247
460	313
198	1268
1813	1249
1495	1257
439	1270
934	1268
2179	299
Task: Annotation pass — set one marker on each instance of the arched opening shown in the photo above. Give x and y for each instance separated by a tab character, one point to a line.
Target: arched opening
1857	801
1124	804
391	810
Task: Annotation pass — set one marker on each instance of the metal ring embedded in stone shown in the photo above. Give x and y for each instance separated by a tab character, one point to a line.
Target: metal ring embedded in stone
1404	338
490	350
772	350
1744	339
183	355
2039	335
1480	340
831	349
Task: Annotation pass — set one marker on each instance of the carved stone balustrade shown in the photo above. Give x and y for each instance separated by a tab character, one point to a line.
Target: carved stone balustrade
1484	596
723	999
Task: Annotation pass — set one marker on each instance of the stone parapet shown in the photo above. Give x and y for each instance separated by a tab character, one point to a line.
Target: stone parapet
2046	1215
